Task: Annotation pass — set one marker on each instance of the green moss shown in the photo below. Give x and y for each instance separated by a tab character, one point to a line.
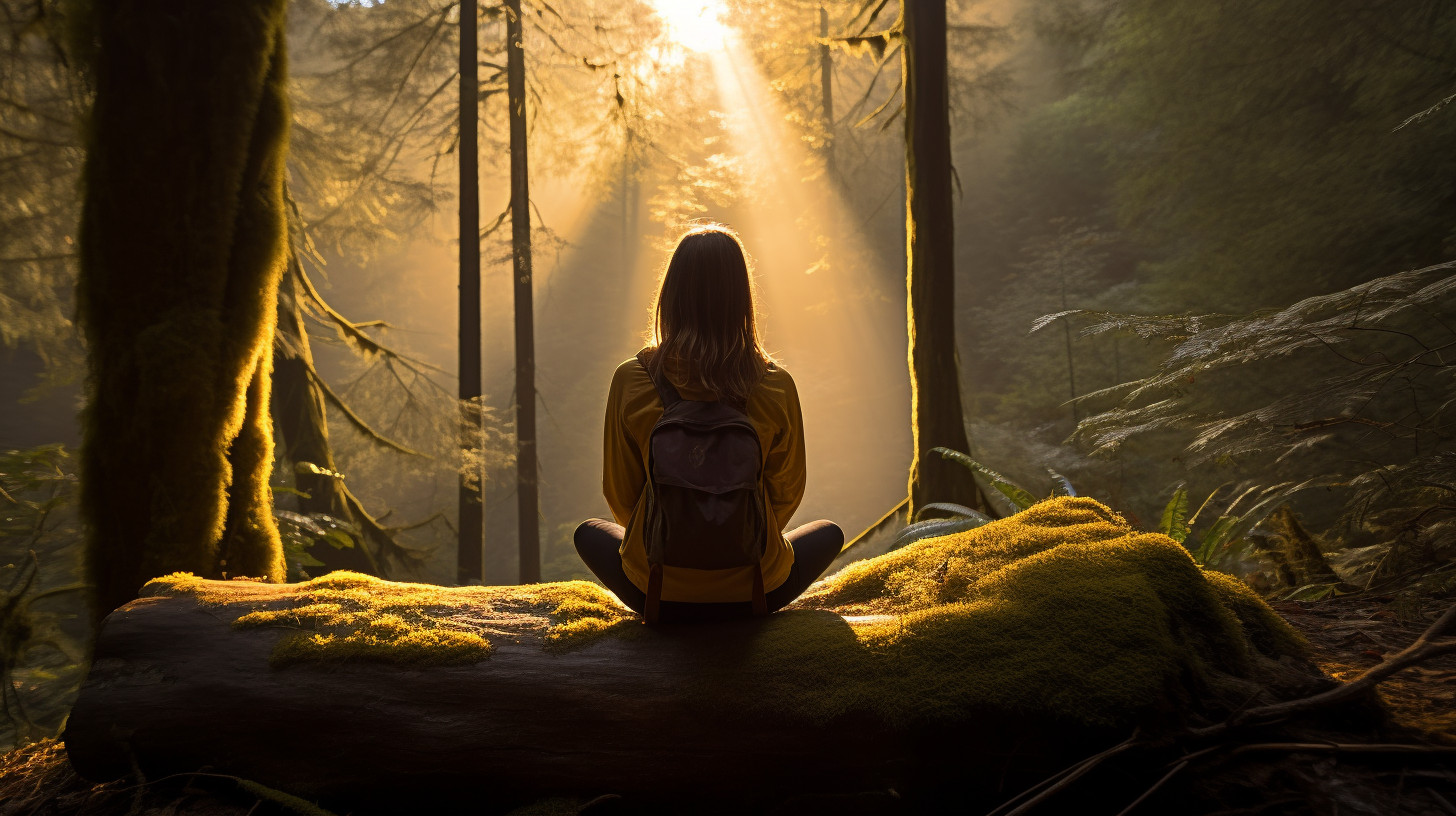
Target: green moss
1267	632
346	616
1062	611
936	570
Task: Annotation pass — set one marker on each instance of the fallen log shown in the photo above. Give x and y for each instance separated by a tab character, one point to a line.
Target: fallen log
176	687
1042	637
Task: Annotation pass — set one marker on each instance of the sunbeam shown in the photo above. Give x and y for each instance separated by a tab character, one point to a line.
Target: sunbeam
696	25
826	316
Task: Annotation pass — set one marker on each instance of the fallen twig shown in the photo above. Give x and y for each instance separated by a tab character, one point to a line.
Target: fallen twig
1345	748
1046	788
1149	792
1430	644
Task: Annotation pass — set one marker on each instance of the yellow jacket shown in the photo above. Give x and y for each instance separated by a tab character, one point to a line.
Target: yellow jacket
633	407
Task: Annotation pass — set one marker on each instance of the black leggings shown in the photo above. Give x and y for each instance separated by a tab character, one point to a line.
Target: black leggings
815	546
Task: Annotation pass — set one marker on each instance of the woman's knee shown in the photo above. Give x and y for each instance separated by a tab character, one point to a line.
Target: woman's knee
818	534
582	534
833	532
592	534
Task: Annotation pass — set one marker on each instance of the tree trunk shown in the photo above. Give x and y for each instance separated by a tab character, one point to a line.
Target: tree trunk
526	484
183	243
936	416
470	557
302	423
826	90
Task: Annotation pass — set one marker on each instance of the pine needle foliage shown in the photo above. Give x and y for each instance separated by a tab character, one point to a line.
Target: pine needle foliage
40	160
1367	401
183	243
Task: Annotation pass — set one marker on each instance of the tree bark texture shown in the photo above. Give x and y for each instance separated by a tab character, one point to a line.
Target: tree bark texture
470	558
528	523
936	414
183	243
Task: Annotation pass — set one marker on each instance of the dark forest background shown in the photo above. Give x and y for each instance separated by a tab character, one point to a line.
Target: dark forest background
1240	211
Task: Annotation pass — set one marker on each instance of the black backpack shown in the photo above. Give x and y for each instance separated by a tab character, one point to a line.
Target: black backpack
704	491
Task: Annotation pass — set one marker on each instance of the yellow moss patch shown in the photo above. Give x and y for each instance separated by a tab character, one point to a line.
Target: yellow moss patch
345	616
935	570
579	621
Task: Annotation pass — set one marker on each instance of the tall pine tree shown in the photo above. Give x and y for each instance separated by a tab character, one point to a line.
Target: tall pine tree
936	415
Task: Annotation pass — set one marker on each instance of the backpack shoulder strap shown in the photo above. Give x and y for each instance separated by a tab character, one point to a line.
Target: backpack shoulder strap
665	390
742	407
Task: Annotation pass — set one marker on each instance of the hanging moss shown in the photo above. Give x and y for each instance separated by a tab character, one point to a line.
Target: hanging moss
182	247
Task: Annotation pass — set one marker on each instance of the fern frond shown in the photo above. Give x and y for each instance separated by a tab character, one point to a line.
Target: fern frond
934	528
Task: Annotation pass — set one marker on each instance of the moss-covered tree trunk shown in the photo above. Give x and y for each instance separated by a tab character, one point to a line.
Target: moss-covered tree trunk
182	248
301	422
936	415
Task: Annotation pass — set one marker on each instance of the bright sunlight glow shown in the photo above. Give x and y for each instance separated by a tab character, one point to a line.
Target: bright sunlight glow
696	25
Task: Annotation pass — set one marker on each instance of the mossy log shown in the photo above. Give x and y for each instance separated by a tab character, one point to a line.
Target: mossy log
175	687
1038	638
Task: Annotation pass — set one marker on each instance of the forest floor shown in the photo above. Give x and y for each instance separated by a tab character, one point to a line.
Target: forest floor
1354	633
1335	776
1349	634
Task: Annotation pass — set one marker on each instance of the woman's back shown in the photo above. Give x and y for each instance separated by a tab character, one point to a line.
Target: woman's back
704	347
633	408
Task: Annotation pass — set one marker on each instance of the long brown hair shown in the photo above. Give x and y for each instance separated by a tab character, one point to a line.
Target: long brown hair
704	320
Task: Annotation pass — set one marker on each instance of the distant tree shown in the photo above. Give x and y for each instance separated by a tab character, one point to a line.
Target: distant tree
379	122
470	557
300	404
792	41
385	72
189	127
527	511
826	89
358	193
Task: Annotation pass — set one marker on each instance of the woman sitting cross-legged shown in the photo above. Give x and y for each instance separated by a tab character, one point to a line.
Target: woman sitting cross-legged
704	456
